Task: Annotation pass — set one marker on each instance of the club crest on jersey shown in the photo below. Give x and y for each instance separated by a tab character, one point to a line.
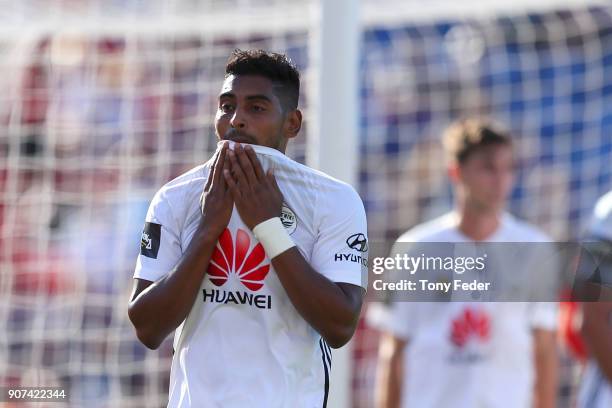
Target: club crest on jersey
288	219
150	240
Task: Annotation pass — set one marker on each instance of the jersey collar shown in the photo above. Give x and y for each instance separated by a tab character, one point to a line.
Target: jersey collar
268	151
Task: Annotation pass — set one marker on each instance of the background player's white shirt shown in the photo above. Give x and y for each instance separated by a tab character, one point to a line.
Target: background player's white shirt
447	367
595	390
243	343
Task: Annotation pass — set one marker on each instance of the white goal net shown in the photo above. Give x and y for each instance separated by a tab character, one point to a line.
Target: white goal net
102	103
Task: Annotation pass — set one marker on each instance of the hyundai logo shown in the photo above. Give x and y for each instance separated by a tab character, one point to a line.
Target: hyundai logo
358	242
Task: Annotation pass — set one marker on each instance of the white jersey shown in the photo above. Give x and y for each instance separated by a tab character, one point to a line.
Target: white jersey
243	343
595	389
469	355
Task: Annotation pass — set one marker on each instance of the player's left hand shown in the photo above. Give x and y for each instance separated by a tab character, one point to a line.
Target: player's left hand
256	194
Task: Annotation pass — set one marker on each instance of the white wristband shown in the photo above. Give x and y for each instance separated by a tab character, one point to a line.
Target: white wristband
273	237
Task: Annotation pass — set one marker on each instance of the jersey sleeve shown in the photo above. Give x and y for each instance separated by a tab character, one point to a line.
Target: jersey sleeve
160	245
340	252
403	320
400	316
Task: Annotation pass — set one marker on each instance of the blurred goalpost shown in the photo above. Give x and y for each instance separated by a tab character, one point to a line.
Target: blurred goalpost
333	142
103	102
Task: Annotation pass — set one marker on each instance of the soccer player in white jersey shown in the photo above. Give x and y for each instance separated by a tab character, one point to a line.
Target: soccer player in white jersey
596	387
258	262
471	355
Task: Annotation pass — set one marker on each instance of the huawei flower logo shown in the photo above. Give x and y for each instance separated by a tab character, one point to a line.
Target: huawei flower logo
470	324
235	257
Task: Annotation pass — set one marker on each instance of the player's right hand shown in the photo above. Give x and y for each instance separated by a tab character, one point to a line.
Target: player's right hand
216	202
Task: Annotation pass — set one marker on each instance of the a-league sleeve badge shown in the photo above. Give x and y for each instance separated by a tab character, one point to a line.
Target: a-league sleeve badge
150	239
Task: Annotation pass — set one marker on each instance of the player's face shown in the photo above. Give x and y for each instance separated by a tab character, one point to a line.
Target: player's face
248	111
486	178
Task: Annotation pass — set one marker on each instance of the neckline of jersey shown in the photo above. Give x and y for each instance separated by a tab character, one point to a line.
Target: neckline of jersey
258	149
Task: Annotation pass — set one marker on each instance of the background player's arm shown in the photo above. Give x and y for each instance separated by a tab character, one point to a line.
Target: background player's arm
330	308
156	309
546	368
597	332
390	371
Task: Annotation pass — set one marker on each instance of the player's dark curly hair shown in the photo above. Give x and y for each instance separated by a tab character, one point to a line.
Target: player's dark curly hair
276	67
466	136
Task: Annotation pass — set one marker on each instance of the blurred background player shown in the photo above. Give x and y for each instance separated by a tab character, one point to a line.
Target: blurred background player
427	357
596	387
